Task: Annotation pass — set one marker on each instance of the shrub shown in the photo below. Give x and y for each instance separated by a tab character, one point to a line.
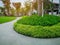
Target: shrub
38	31
39	27
47	20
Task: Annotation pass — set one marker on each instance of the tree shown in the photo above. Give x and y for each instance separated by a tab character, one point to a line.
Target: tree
45	5
17	5
22	11
13	12
27	8
7	6
2	10
39	7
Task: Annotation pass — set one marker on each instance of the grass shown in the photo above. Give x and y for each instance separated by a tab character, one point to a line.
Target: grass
4	19
26	26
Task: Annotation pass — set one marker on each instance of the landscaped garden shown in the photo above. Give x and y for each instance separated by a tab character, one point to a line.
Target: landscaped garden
4	19
38	26
29	22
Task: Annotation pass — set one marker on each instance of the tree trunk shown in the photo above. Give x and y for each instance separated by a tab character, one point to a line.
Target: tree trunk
8	12
45	11
52	8
52	12
39	7
59	6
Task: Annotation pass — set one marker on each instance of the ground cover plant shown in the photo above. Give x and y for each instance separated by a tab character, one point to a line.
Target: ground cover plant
39	27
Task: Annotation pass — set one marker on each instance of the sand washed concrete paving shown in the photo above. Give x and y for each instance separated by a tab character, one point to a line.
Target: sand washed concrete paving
9	37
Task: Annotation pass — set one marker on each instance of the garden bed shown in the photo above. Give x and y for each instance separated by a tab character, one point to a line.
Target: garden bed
39	27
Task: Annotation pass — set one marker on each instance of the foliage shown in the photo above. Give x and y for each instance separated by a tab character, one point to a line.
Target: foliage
38	31
7	6
17	5
47	20
13	11
4	19
34	4
2	11
27	7
39	27
47	4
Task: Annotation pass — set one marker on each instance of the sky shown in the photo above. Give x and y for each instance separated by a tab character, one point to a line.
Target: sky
22	1
56	1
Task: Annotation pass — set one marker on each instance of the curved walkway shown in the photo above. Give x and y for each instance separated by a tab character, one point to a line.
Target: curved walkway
9	37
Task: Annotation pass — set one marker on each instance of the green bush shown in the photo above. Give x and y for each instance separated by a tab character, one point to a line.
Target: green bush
47	20
38	31
39	27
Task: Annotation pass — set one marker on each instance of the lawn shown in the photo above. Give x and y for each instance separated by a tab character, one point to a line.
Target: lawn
4	19
39	27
